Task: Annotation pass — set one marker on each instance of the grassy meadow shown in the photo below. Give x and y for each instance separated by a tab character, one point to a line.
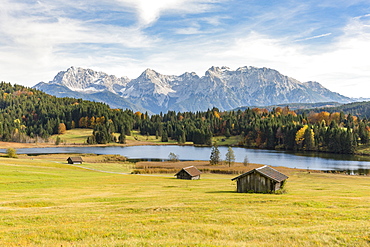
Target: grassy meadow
79	136
46	202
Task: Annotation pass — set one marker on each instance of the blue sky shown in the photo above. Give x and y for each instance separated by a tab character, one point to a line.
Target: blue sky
324	41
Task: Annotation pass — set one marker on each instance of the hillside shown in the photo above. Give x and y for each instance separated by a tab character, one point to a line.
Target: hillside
361	109
296	106
29	115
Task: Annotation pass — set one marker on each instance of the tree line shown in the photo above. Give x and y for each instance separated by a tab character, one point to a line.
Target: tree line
29	115
279	128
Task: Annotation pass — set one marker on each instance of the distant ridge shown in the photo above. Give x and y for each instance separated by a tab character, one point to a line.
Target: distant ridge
297	106
361	109
222	87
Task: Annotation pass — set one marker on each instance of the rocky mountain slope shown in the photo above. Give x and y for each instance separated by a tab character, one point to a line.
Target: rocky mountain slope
220	87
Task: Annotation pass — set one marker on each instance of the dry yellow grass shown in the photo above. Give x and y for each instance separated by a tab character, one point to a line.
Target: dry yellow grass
45	202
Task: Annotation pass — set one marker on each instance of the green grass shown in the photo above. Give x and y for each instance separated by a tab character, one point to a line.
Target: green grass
77	136
110	167
231	141
44	203
363	150
135	135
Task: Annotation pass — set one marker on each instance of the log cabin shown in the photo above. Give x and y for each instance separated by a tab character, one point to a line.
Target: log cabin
190	173
74	160
260	180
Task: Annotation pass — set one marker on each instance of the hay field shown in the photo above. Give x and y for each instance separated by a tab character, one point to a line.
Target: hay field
45	202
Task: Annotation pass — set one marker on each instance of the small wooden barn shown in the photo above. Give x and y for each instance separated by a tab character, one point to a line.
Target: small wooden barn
262	180
190	173
74	160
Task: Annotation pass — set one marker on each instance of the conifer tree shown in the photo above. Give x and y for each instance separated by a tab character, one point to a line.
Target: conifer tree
122	138
215	155
164	136
57	141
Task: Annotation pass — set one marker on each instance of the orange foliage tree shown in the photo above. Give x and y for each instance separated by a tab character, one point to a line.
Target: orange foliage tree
62	128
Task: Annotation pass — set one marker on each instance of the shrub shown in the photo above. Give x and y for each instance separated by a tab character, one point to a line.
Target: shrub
57	141
11	152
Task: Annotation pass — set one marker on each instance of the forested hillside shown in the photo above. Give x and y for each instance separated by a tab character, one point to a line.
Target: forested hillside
29	115
361	109
260	128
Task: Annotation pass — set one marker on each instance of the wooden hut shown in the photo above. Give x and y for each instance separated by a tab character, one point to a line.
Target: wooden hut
190	173
262	180
74	160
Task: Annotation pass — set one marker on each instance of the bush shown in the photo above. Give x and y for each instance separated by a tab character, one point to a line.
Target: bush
58	140
11	152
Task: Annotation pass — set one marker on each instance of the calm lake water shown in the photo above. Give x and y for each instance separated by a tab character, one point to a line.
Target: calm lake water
312	161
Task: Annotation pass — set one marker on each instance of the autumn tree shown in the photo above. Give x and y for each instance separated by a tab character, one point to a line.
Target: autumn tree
299	137
309	140
11	152
230	156
62	128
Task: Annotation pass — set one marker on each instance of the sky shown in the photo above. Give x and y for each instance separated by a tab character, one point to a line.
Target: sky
314	40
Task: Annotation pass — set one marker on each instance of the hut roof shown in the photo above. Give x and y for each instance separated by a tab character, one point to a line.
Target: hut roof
75	159
191	170
267	172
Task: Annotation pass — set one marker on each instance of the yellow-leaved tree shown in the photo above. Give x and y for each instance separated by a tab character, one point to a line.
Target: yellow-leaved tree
62	128
309	140
299	136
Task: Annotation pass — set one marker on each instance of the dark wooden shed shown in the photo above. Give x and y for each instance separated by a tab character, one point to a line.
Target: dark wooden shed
190	173
74	160
262	180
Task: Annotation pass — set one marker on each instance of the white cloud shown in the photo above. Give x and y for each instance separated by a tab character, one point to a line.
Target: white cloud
149	11
314	37
44	42
36	44
339	65
189	30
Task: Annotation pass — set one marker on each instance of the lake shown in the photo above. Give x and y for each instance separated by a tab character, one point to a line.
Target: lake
312	161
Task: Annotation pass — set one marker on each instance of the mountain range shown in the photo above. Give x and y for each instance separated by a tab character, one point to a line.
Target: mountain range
222	87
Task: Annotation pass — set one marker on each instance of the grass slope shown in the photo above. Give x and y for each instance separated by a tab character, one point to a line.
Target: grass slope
77	136
48	203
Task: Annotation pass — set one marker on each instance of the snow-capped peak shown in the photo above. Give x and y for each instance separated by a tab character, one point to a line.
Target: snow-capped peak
221	87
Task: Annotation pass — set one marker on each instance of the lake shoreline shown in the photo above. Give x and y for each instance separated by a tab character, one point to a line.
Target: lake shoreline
17	145
148	152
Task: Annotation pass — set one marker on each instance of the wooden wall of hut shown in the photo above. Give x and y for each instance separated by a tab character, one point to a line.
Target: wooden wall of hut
255	182
184	175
